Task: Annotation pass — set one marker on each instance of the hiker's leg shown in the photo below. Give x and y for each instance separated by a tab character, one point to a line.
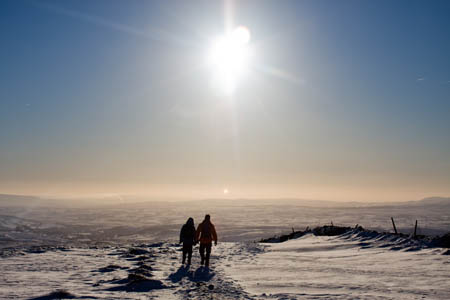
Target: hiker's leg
208	253
184	254
189	253
202	253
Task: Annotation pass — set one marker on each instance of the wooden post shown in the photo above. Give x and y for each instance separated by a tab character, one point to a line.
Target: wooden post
393	224
415	230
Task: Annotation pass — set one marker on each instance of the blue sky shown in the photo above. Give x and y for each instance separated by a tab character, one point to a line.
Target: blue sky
343	100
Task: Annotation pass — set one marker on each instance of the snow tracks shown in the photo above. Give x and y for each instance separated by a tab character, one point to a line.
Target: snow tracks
137	272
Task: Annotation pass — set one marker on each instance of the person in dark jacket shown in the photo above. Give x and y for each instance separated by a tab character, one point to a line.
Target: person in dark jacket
187	237
206	234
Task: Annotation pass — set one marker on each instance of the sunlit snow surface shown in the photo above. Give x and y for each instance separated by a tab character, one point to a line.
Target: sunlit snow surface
345	267
104	273
336	268
88	251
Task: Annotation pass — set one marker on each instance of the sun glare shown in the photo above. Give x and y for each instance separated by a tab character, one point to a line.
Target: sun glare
229	56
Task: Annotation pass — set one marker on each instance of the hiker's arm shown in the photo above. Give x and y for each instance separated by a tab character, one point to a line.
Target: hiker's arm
197	233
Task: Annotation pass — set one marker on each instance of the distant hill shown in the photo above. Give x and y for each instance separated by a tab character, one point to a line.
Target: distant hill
322	203
428	202
435	200
17	199
11	199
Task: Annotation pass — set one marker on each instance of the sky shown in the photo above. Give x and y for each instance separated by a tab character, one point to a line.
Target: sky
339	100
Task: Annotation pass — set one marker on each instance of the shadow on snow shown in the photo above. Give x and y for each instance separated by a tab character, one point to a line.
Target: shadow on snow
200	275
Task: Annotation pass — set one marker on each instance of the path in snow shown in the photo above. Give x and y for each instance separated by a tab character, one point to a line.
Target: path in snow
105	274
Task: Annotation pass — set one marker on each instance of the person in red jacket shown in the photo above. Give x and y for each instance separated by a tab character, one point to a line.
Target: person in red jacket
206	234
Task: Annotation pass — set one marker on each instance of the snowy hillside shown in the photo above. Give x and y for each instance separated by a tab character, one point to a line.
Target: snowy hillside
355	265
87	251
350	266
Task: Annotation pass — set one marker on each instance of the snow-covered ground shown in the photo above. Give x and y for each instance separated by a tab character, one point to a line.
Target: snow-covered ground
350	266
86	250
344	267
139	272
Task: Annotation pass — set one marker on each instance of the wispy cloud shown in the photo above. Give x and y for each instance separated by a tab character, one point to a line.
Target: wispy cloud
420	79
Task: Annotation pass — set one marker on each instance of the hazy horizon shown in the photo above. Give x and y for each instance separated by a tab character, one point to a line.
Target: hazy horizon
112	198
329	100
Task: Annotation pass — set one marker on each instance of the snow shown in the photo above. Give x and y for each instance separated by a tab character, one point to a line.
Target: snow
351	266
155	272
315	267
127	252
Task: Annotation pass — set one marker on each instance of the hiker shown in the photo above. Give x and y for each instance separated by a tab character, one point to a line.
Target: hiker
206	233
187	237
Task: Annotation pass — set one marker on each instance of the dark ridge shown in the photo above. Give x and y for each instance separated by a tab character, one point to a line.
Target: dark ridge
442	241
109	268
138	283
58	294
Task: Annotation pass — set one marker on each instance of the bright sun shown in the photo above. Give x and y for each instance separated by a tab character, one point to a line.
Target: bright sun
229	57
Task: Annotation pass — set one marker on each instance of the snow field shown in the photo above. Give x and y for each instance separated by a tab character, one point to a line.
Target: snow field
323	267
142	272
356	265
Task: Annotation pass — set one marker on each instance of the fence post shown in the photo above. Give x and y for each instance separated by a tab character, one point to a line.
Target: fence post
393	224
415	230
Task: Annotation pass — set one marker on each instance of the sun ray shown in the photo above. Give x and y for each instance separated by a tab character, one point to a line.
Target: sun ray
149	33
280	74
